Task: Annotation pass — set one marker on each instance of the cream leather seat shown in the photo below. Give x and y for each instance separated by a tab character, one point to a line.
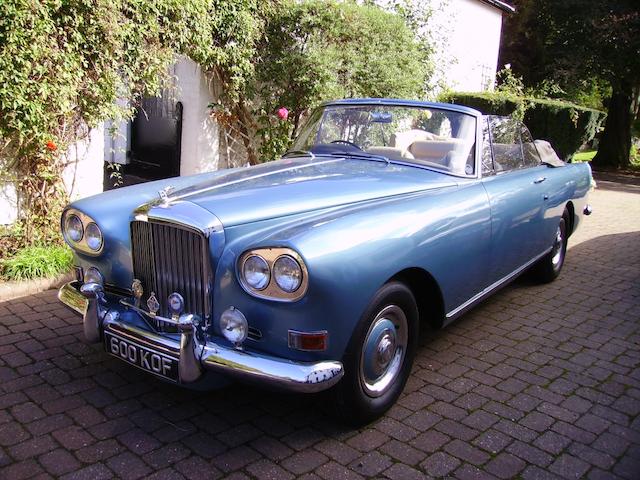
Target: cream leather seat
392	153
403	140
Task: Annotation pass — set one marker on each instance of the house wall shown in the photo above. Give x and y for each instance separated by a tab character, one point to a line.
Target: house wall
83	175
199	149
469	44
8	203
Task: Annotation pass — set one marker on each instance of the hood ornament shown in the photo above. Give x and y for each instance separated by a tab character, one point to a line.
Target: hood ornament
152	304
164	194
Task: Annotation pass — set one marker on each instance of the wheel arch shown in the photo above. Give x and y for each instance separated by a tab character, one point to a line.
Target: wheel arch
572	217
426	292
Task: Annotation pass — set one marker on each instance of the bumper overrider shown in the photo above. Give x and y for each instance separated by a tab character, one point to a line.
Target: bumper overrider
194	353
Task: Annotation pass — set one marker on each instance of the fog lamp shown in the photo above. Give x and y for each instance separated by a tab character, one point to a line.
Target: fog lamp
234	326
93	275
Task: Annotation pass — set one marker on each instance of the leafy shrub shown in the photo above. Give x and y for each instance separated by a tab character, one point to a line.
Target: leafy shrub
37	262
565	125
320	50
64	66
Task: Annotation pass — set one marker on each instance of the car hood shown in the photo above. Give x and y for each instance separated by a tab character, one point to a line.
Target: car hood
296	185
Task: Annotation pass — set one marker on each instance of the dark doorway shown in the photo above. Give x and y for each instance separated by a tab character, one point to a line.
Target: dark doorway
156	131
154	146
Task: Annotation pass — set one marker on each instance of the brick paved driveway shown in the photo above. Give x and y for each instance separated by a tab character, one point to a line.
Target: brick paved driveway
538	382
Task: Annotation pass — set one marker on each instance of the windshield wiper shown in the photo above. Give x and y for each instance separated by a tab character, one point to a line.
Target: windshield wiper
298	153
362	154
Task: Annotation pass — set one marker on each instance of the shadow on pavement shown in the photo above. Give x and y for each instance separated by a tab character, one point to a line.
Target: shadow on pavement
534	360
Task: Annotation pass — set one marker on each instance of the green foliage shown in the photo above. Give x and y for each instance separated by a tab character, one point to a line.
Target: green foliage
64	64
565	125
37	262
584	156
316	50
591	49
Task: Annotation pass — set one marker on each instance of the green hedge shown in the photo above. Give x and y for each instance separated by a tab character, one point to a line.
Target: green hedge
565	125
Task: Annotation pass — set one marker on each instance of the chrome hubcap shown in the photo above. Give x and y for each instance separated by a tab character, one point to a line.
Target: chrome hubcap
383	351
386	349
556	257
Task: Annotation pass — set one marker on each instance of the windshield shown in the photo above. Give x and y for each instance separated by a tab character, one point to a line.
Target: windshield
432	137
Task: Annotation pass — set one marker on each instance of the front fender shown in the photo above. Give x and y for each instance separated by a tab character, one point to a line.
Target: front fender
351	252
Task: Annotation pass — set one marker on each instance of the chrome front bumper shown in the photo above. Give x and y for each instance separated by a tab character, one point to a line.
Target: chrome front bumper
194	356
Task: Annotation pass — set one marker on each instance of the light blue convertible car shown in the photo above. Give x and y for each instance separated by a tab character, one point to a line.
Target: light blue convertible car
316	271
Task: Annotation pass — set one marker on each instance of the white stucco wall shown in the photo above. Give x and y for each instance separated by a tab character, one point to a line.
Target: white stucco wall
199	152
471	30
83	175
8	203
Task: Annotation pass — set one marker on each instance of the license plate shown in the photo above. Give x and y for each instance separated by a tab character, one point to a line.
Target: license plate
142	357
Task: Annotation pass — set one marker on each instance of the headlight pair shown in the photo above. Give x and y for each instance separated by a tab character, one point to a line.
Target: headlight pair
273	273
81	232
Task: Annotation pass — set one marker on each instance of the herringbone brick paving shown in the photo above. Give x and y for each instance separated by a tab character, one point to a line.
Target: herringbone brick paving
537	382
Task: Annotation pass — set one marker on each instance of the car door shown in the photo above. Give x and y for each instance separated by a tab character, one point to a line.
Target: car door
516	195
542	176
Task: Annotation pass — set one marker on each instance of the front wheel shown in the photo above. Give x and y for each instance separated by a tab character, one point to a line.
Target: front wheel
548	267
379	357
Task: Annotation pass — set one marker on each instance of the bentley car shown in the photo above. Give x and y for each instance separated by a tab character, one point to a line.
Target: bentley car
315	272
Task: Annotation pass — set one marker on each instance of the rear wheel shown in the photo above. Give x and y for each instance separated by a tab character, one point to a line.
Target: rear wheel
379	357
548	267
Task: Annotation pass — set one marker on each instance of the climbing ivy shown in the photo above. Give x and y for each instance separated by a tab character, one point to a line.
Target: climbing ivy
65	64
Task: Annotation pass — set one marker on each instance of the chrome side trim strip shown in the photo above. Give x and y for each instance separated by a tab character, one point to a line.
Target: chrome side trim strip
456	312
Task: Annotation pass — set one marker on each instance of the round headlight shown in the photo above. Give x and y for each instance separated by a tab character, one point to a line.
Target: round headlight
256	272
73	227
93	237
93	275
234	326
287	273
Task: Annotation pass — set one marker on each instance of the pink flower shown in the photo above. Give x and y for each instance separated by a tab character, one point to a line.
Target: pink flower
283	113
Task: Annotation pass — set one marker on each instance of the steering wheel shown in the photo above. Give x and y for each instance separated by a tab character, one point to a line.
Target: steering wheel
347	142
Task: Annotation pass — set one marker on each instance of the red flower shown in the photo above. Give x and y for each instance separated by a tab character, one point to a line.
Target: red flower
283	113
51	146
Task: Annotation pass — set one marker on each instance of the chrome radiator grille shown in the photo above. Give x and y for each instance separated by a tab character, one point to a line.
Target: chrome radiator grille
169	258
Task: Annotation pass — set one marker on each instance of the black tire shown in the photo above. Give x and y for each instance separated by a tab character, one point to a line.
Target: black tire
549	267
364	394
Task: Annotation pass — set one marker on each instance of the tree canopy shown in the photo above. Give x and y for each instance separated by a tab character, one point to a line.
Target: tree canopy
322	50
582	45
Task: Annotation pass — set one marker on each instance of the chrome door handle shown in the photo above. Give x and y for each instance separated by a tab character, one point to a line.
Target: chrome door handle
540	180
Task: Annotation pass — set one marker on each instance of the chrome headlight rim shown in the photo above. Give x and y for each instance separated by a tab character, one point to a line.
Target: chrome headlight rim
89	237
82	244
273	291
259	286
72	217
277	278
